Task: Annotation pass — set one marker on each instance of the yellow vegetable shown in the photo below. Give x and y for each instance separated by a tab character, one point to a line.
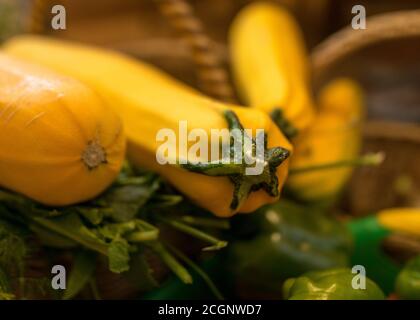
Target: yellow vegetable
270	66
333	137
405	220
149	100
349	94
59	143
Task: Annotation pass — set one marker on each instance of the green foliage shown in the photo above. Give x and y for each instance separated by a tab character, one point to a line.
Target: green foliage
116	224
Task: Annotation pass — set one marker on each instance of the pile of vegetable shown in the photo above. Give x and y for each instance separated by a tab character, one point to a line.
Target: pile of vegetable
81	185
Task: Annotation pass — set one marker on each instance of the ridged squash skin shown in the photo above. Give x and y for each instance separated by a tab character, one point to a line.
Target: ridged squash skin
334	136
269	62
149	100
59	142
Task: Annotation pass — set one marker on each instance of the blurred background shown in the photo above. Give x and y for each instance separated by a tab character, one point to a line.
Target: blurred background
389	72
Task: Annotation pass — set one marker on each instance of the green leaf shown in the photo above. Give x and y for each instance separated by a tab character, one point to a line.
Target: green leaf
81	273
93	215
125	201
119	256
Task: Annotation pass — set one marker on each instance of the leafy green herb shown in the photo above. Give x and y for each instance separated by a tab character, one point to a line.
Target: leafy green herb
114	224
126	200
94	215
119	256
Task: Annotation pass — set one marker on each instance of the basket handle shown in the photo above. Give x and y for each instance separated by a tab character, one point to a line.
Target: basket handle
381	27
212	76
38	15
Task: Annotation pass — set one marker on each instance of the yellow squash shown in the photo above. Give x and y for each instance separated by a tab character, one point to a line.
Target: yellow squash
405	220
343	97
59	143
269	62
333	137
149	100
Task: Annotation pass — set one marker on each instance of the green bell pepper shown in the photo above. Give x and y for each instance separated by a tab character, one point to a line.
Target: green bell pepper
332	284
408	280
284	240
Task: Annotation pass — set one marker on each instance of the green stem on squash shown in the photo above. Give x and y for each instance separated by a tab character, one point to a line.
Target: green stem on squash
235	166
283	124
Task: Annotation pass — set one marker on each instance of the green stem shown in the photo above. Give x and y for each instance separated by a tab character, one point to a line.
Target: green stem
216	243
198	270
141	236
207	222
88	244
370	159
172	263
284	125
241	165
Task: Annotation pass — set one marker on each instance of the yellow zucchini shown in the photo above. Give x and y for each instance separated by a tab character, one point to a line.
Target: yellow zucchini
350	95
333	137
60	144
405	220
269	62
149	100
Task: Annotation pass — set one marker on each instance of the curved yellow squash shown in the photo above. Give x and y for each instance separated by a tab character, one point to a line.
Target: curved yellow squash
149	100
334	136
269	62
59	143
